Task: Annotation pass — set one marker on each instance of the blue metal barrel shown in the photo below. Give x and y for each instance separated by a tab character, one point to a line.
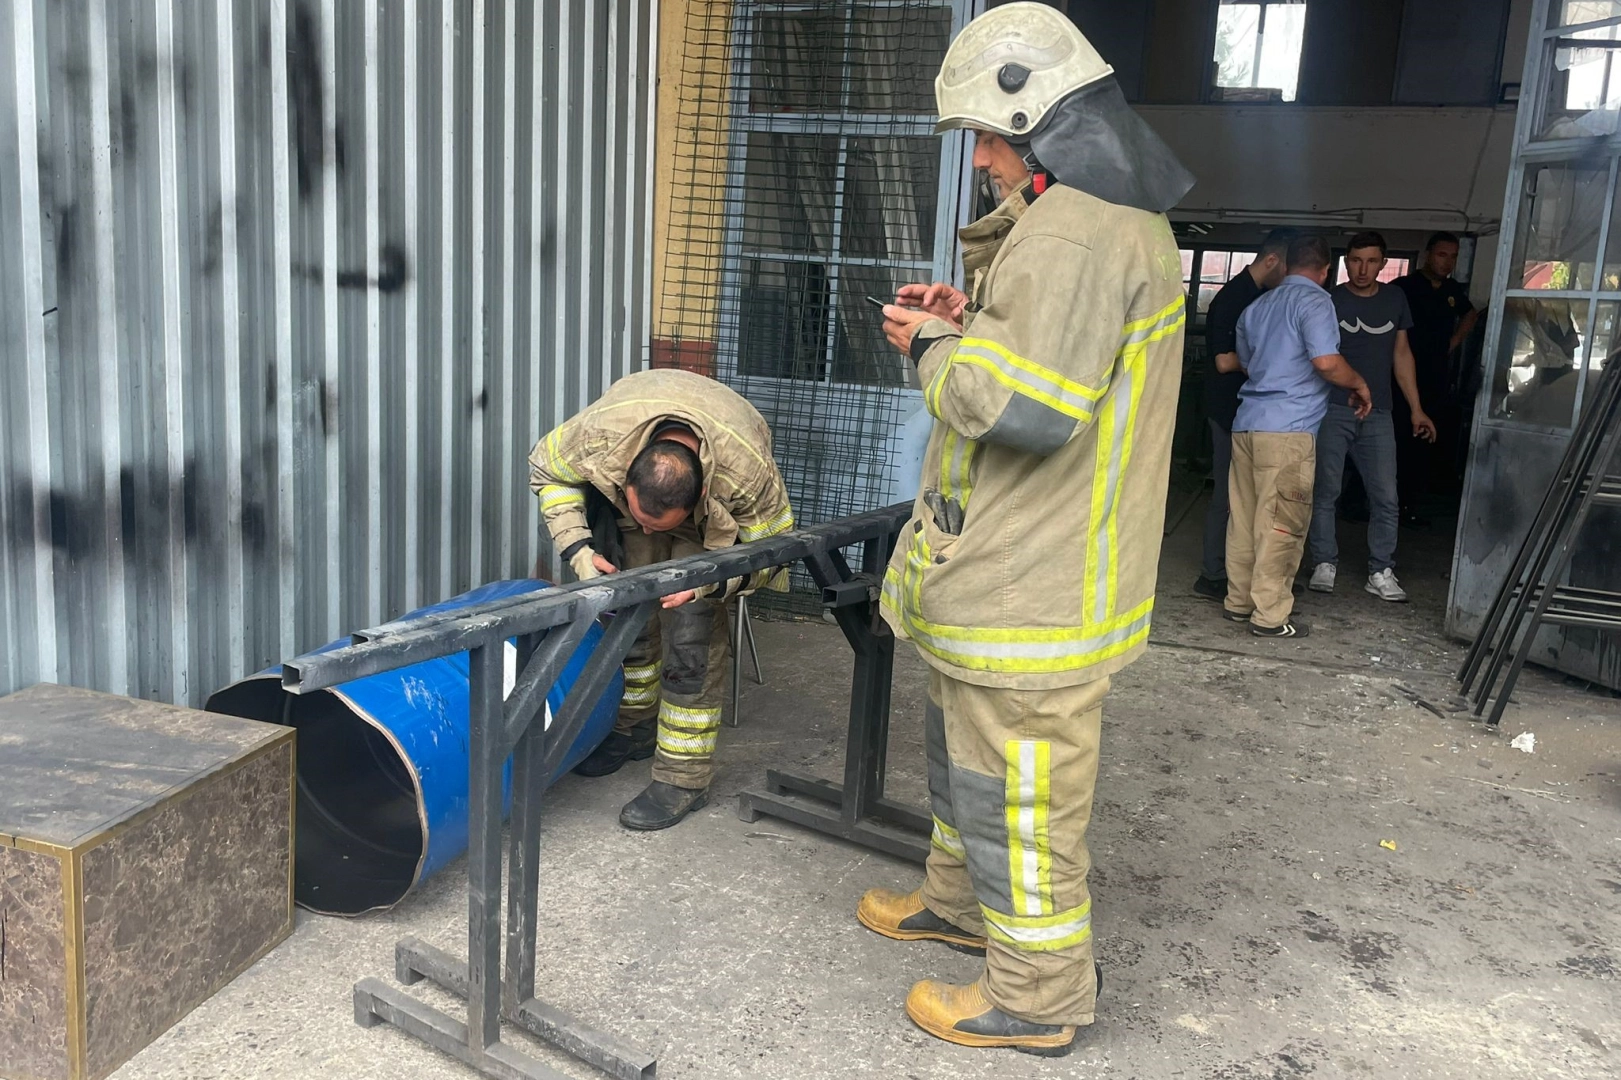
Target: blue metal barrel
382	765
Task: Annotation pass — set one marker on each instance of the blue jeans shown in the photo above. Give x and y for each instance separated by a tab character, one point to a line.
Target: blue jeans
1371	443
1214	565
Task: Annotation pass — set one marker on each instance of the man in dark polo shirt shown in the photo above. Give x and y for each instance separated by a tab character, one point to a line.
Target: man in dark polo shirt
1221	396
1374	324
1442	319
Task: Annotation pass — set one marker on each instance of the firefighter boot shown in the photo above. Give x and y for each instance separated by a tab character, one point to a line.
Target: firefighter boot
661	806
961	1015
903	917
618	748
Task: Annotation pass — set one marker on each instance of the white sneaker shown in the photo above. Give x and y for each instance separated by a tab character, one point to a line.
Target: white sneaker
1385	586
1322	577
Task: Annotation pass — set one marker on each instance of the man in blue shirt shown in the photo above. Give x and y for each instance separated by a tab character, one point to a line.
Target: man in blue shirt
1289	346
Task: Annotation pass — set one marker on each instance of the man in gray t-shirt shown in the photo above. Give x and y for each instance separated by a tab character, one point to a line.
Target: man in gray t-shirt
1374	319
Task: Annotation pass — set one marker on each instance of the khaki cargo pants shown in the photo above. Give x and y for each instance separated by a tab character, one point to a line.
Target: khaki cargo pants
1011	775
676	670
1269	486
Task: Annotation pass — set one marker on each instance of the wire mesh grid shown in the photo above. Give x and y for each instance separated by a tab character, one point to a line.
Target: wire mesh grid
806	177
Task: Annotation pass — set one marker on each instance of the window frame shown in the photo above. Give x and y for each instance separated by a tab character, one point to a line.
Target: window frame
743	121
1209	93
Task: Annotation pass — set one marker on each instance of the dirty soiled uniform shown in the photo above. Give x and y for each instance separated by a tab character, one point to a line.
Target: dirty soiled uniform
676	670
1026	576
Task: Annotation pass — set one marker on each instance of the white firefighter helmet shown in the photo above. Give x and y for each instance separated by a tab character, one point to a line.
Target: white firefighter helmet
1010	66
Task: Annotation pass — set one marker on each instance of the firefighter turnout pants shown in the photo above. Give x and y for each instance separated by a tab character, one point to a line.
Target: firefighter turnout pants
676	670
1011	776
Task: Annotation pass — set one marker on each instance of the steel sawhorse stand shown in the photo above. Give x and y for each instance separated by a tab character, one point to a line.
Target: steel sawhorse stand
548	626
857	809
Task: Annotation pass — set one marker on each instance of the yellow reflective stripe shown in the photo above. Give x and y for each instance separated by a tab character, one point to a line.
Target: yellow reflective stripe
1116	428
683	745
1040	933
556	495
1028	378
1155	326
642	673
639	695
931	394
1029	763
554	456
1014	651
781	523
947	839
681	716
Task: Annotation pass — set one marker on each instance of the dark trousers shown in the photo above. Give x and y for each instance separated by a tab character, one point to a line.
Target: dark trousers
1215	515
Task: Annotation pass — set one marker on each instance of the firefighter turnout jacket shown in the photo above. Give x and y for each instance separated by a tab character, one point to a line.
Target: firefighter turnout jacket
744	498
1031	556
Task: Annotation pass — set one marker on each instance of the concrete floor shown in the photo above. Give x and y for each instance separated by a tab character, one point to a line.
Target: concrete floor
1249	923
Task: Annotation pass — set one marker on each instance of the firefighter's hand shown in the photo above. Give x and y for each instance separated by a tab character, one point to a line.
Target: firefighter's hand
587	564
677	599
940	300
1423	427
900	323
603	565
1361	401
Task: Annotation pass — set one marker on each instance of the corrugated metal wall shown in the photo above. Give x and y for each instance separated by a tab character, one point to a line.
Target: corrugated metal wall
287	290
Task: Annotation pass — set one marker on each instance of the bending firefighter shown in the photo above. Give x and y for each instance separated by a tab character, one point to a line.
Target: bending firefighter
665	464
1026	576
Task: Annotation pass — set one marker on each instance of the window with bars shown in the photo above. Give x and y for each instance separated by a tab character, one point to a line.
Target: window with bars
806	176
836	172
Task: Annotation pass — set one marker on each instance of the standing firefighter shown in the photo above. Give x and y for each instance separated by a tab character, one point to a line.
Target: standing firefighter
665	464
1027	574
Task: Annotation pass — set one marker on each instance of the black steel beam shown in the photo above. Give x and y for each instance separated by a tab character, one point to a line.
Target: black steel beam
415	959
419	640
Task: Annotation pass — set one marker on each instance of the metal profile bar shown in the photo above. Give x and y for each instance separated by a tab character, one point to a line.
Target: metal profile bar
1598	280
109	417
1582	27
415	959
528	695
605	660
477	359
532	612
485	762
371	92
377	1002
1558	565
174	281
1561	294
1572	474
332	402
35	361
410	513
846	260
448	198
507	235
916	125
523	852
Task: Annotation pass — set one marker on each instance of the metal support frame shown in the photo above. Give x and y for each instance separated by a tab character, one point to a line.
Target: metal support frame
548	625
856	810
1531	595
742	635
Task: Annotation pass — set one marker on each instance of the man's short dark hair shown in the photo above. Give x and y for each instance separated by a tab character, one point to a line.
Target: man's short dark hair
1308	253
1367	240
1442	237
1277	243
667	476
